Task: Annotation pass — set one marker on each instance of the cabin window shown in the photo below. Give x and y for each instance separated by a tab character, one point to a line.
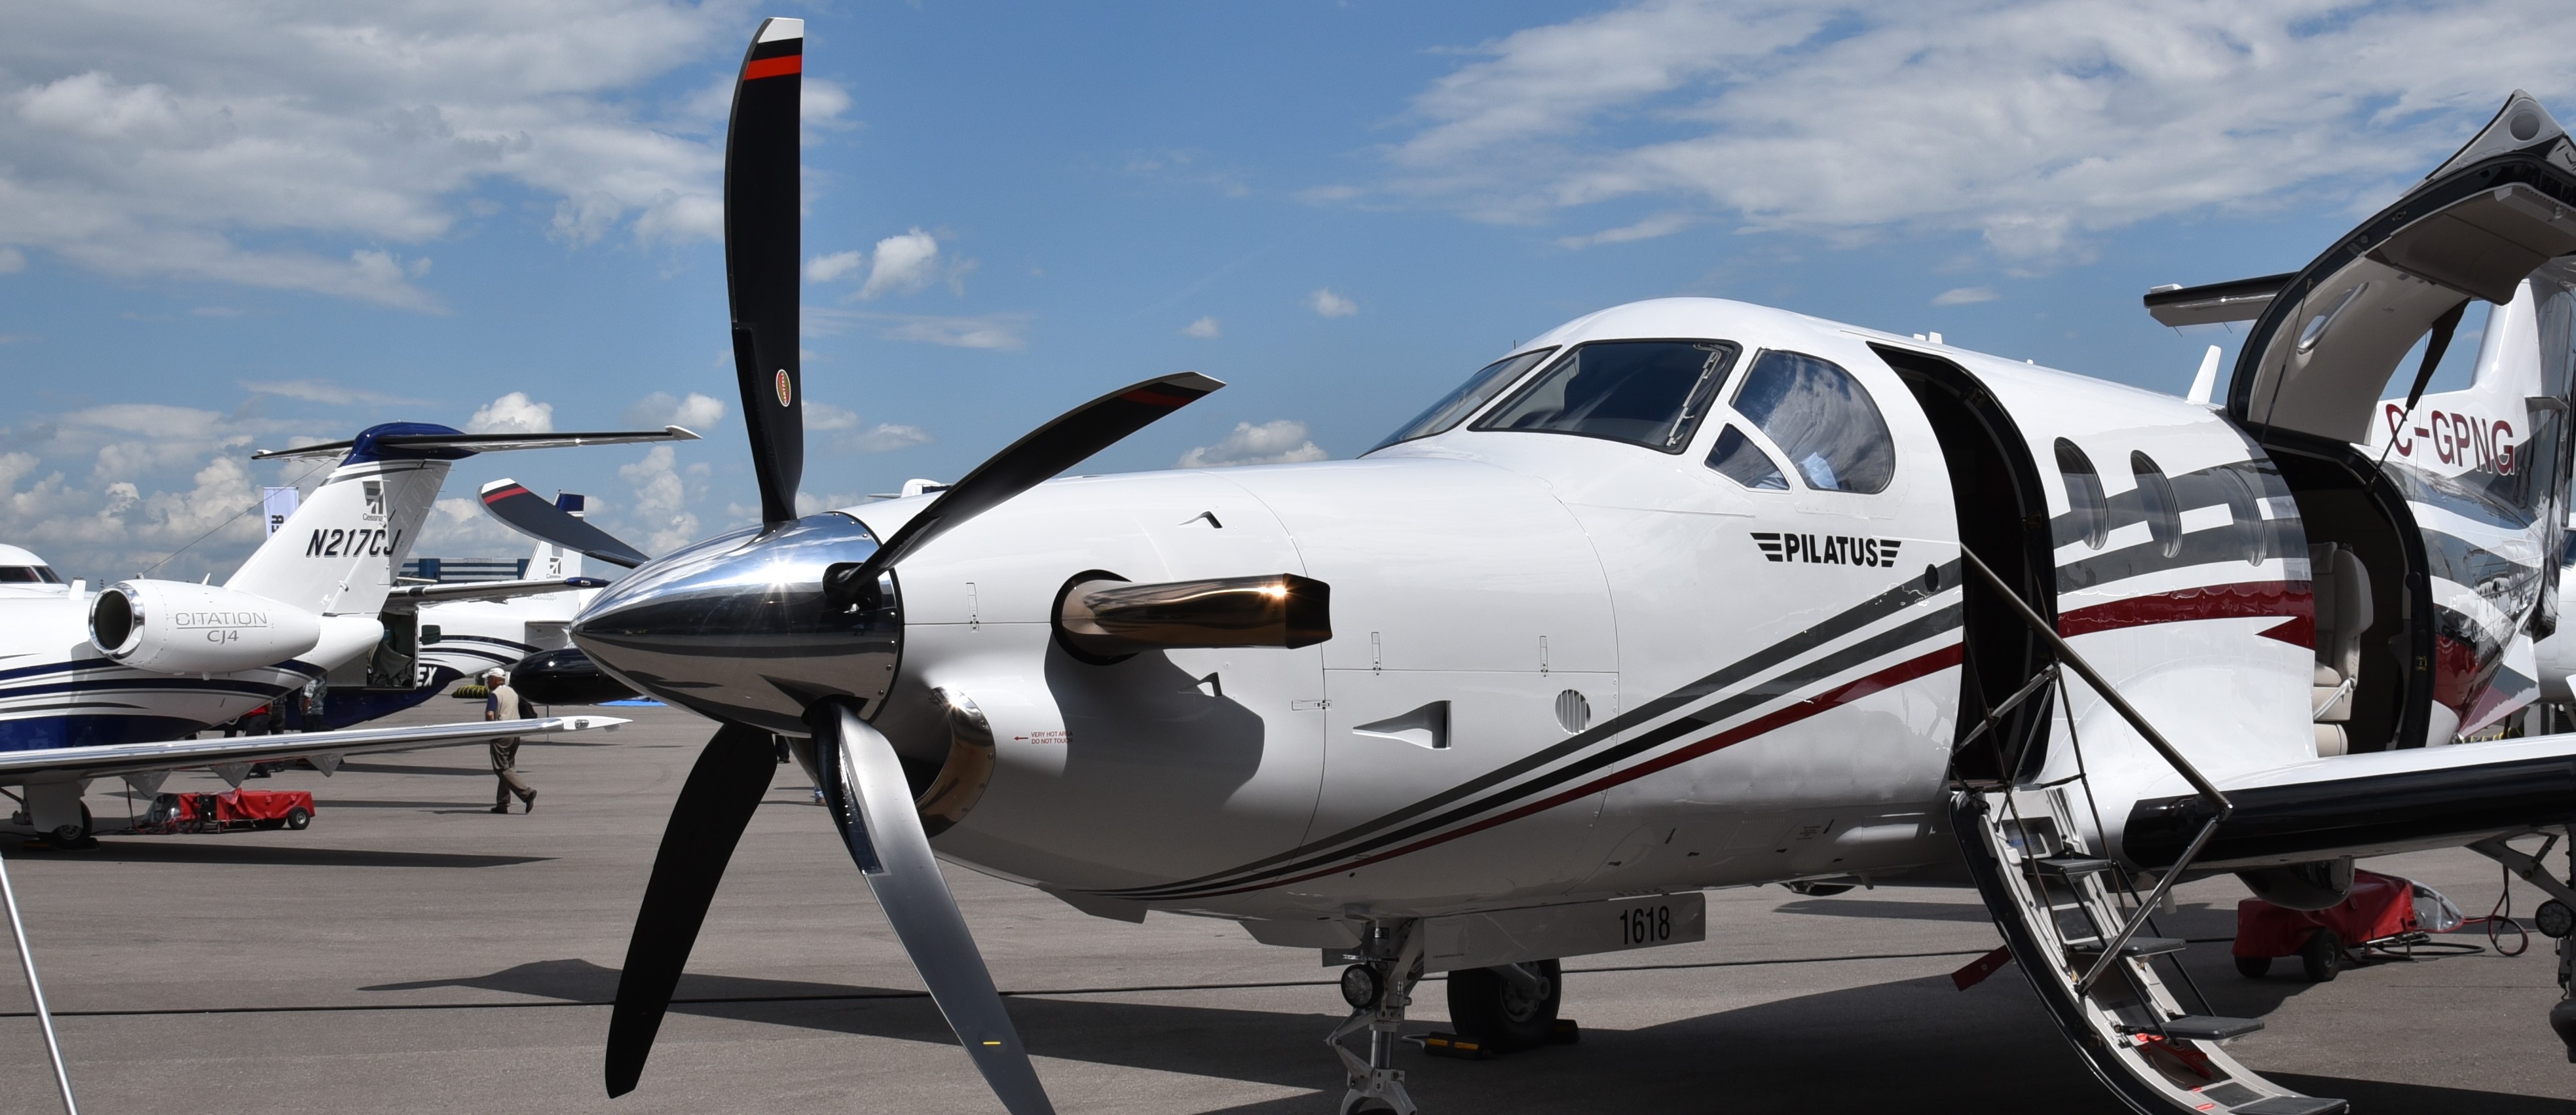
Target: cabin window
1649	393
2244	514
1467	399
1738	459
428	633
2157	505
2085	505
1822	418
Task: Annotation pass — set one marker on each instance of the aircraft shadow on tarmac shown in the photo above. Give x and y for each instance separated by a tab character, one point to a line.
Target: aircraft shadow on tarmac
1916	1045
220	849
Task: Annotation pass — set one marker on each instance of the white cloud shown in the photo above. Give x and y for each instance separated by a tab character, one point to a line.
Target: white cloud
513	413
904	265
1661	224
824	269
1270	443
849	435
2034	125
12	261
884	437
1003	331
323	391
697	412
204	141
1965	295
1203	327
662	498
1328	304
458	527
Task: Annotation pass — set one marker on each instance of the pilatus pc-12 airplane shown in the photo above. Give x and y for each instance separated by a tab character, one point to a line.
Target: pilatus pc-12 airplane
114	683
1682	594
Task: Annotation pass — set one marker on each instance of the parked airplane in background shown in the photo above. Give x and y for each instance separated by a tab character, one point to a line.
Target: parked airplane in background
1681	594
465	638
112	681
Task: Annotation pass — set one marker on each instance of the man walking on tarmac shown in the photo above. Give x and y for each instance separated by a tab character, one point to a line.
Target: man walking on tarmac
503	704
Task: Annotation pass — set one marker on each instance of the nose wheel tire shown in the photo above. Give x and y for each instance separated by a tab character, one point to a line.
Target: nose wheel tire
1490	1006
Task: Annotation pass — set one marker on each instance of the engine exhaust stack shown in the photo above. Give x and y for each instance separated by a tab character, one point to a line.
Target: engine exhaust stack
1101	617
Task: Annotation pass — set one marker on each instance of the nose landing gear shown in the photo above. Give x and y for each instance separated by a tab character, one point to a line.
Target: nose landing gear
1378	989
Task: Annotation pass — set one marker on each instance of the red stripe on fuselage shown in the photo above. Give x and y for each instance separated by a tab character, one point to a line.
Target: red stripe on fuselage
2244	600
780	66
2251	599
1844	694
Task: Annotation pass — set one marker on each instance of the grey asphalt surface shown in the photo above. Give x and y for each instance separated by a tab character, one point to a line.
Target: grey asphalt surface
412	952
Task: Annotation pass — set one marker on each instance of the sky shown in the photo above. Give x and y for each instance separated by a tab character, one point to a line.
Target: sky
228	225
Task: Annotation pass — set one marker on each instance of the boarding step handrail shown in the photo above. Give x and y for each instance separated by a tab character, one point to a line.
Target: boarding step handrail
2208	791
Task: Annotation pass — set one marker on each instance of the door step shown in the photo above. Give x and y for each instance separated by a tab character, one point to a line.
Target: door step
2133	947
2067	867
2209	1027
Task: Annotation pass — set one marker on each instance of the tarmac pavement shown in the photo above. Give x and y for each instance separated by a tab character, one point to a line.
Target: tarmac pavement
413	952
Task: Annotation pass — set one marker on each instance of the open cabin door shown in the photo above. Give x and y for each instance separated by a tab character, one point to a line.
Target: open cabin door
2424	577
2003	520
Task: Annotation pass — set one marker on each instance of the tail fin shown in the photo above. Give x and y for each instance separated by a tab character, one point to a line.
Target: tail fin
338	553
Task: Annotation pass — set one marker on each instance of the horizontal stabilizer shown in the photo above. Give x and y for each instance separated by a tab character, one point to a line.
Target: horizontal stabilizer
66	763
529	514
464	445
2364	805
494	590
2212	303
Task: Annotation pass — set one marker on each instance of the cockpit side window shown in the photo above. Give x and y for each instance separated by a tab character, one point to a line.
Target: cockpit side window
19	574
1736	458
1471	395
1822	418
1649	393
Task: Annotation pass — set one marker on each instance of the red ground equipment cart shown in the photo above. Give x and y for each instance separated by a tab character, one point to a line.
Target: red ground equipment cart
232	809
2383	913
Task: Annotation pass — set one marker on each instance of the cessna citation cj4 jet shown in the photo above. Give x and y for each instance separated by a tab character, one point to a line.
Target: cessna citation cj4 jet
1683	594
113	683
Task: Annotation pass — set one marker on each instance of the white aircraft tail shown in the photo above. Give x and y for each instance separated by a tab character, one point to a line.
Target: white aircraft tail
339	552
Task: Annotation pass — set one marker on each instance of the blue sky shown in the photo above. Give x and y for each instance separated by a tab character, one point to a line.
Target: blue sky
227	225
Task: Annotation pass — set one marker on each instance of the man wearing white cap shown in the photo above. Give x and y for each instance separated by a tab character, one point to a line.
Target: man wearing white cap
503	704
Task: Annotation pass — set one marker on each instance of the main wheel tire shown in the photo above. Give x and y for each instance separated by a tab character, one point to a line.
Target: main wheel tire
1485	1007
2322	957
2253	967
298	817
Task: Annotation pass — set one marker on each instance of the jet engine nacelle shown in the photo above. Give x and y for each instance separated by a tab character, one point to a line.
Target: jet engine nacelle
173	627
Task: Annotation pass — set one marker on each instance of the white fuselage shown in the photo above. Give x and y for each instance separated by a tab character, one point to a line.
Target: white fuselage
1657	678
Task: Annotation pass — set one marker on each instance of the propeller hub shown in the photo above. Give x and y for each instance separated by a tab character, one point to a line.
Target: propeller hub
738	627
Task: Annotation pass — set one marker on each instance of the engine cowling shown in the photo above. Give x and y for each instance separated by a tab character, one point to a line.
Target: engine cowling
173	627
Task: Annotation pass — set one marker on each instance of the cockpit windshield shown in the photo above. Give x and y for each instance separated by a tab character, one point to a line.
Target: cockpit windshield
1649	393
29	574
1457	405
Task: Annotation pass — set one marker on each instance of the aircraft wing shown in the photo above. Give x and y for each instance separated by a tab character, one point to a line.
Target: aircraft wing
492	590
66	763
2365	805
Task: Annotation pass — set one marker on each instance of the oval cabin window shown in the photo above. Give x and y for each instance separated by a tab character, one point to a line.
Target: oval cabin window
2088	512
2156	504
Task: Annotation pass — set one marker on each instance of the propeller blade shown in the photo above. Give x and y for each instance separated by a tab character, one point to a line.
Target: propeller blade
535	516
863	783
762	239
715	805
1035	458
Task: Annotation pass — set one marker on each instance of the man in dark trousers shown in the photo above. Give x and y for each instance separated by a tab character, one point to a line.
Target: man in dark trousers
503	704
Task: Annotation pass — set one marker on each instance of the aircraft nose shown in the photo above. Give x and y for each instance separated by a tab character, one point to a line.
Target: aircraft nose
738	628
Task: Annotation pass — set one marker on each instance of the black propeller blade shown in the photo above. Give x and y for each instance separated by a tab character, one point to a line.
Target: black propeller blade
715	804
533	515
762	239
1035	458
